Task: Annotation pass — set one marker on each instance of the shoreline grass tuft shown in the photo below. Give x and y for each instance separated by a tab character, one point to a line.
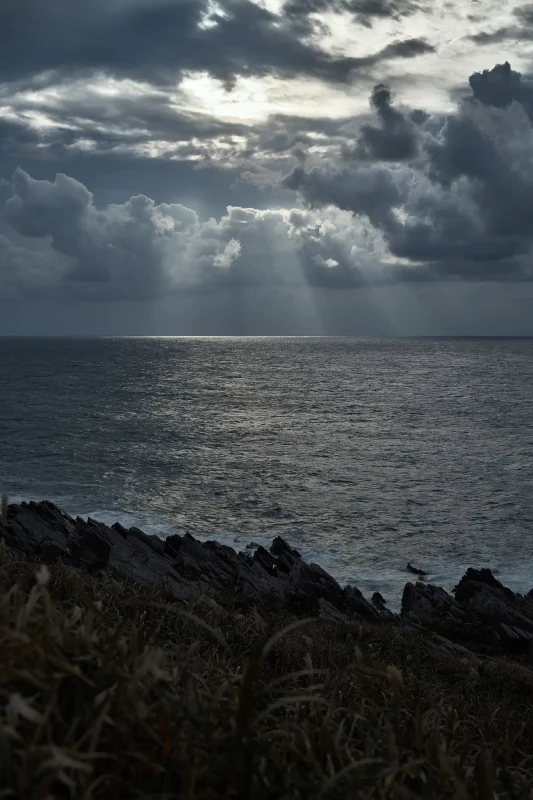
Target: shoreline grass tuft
107	689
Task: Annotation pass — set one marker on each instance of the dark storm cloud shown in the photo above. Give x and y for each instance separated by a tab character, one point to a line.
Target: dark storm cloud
523	31
394	140
465	208
501	86
410	198
16	138
158	39
364	11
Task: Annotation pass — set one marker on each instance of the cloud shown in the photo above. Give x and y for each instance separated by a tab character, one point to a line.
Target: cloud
395	140
501	86
157	40
123	250
412	198
462	209
62	243
364	11
523	31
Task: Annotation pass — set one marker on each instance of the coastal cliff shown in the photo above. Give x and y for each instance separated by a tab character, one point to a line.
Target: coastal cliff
136	667
481	618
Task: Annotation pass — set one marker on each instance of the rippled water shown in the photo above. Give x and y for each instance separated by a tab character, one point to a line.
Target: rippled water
364	453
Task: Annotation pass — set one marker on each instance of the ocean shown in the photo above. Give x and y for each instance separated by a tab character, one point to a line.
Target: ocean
364	453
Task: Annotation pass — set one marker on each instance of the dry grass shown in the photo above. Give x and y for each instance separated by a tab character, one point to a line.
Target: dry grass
3	514
107	689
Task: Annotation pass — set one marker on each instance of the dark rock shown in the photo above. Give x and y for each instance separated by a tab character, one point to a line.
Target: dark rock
315	581
474	580
51	553
266	560
154	542
286	555
422	601
378	600
415	571
356	603
173	544
186	567
302	605
87	548
120	529
452	648
29	525
516	640
484	615
328	612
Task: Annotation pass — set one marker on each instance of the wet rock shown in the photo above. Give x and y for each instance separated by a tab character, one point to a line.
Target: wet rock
415	571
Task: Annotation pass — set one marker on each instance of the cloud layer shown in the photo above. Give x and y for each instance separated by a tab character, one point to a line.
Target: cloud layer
457	201
411	197
323	132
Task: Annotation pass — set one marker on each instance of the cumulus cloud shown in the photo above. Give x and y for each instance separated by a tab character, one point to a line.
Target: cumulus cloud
395	139
501	86
462	209
140	249
409	196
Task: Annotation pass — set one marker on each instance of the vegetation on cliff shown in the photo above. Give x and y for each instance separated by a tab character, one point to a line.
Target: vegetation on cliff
114	688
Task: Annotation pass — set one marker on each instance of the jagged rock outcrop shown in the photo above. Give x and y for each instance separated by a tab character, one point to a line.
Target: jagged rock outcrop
186	566
481	618
482	614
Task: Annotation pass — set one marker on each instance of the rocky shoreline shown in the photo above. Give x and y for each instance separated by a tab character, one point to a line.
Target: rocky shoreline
481	619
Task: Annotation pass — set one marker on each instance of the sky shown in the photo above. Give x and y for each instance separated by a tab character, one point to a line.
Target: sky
265	167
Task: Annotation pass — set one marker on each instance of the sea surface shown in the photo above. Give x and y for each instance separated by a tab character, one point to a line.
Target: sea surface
364	453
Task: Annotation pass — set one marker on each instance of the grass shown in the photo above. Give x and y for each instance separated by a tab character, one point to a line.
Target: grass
109	689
